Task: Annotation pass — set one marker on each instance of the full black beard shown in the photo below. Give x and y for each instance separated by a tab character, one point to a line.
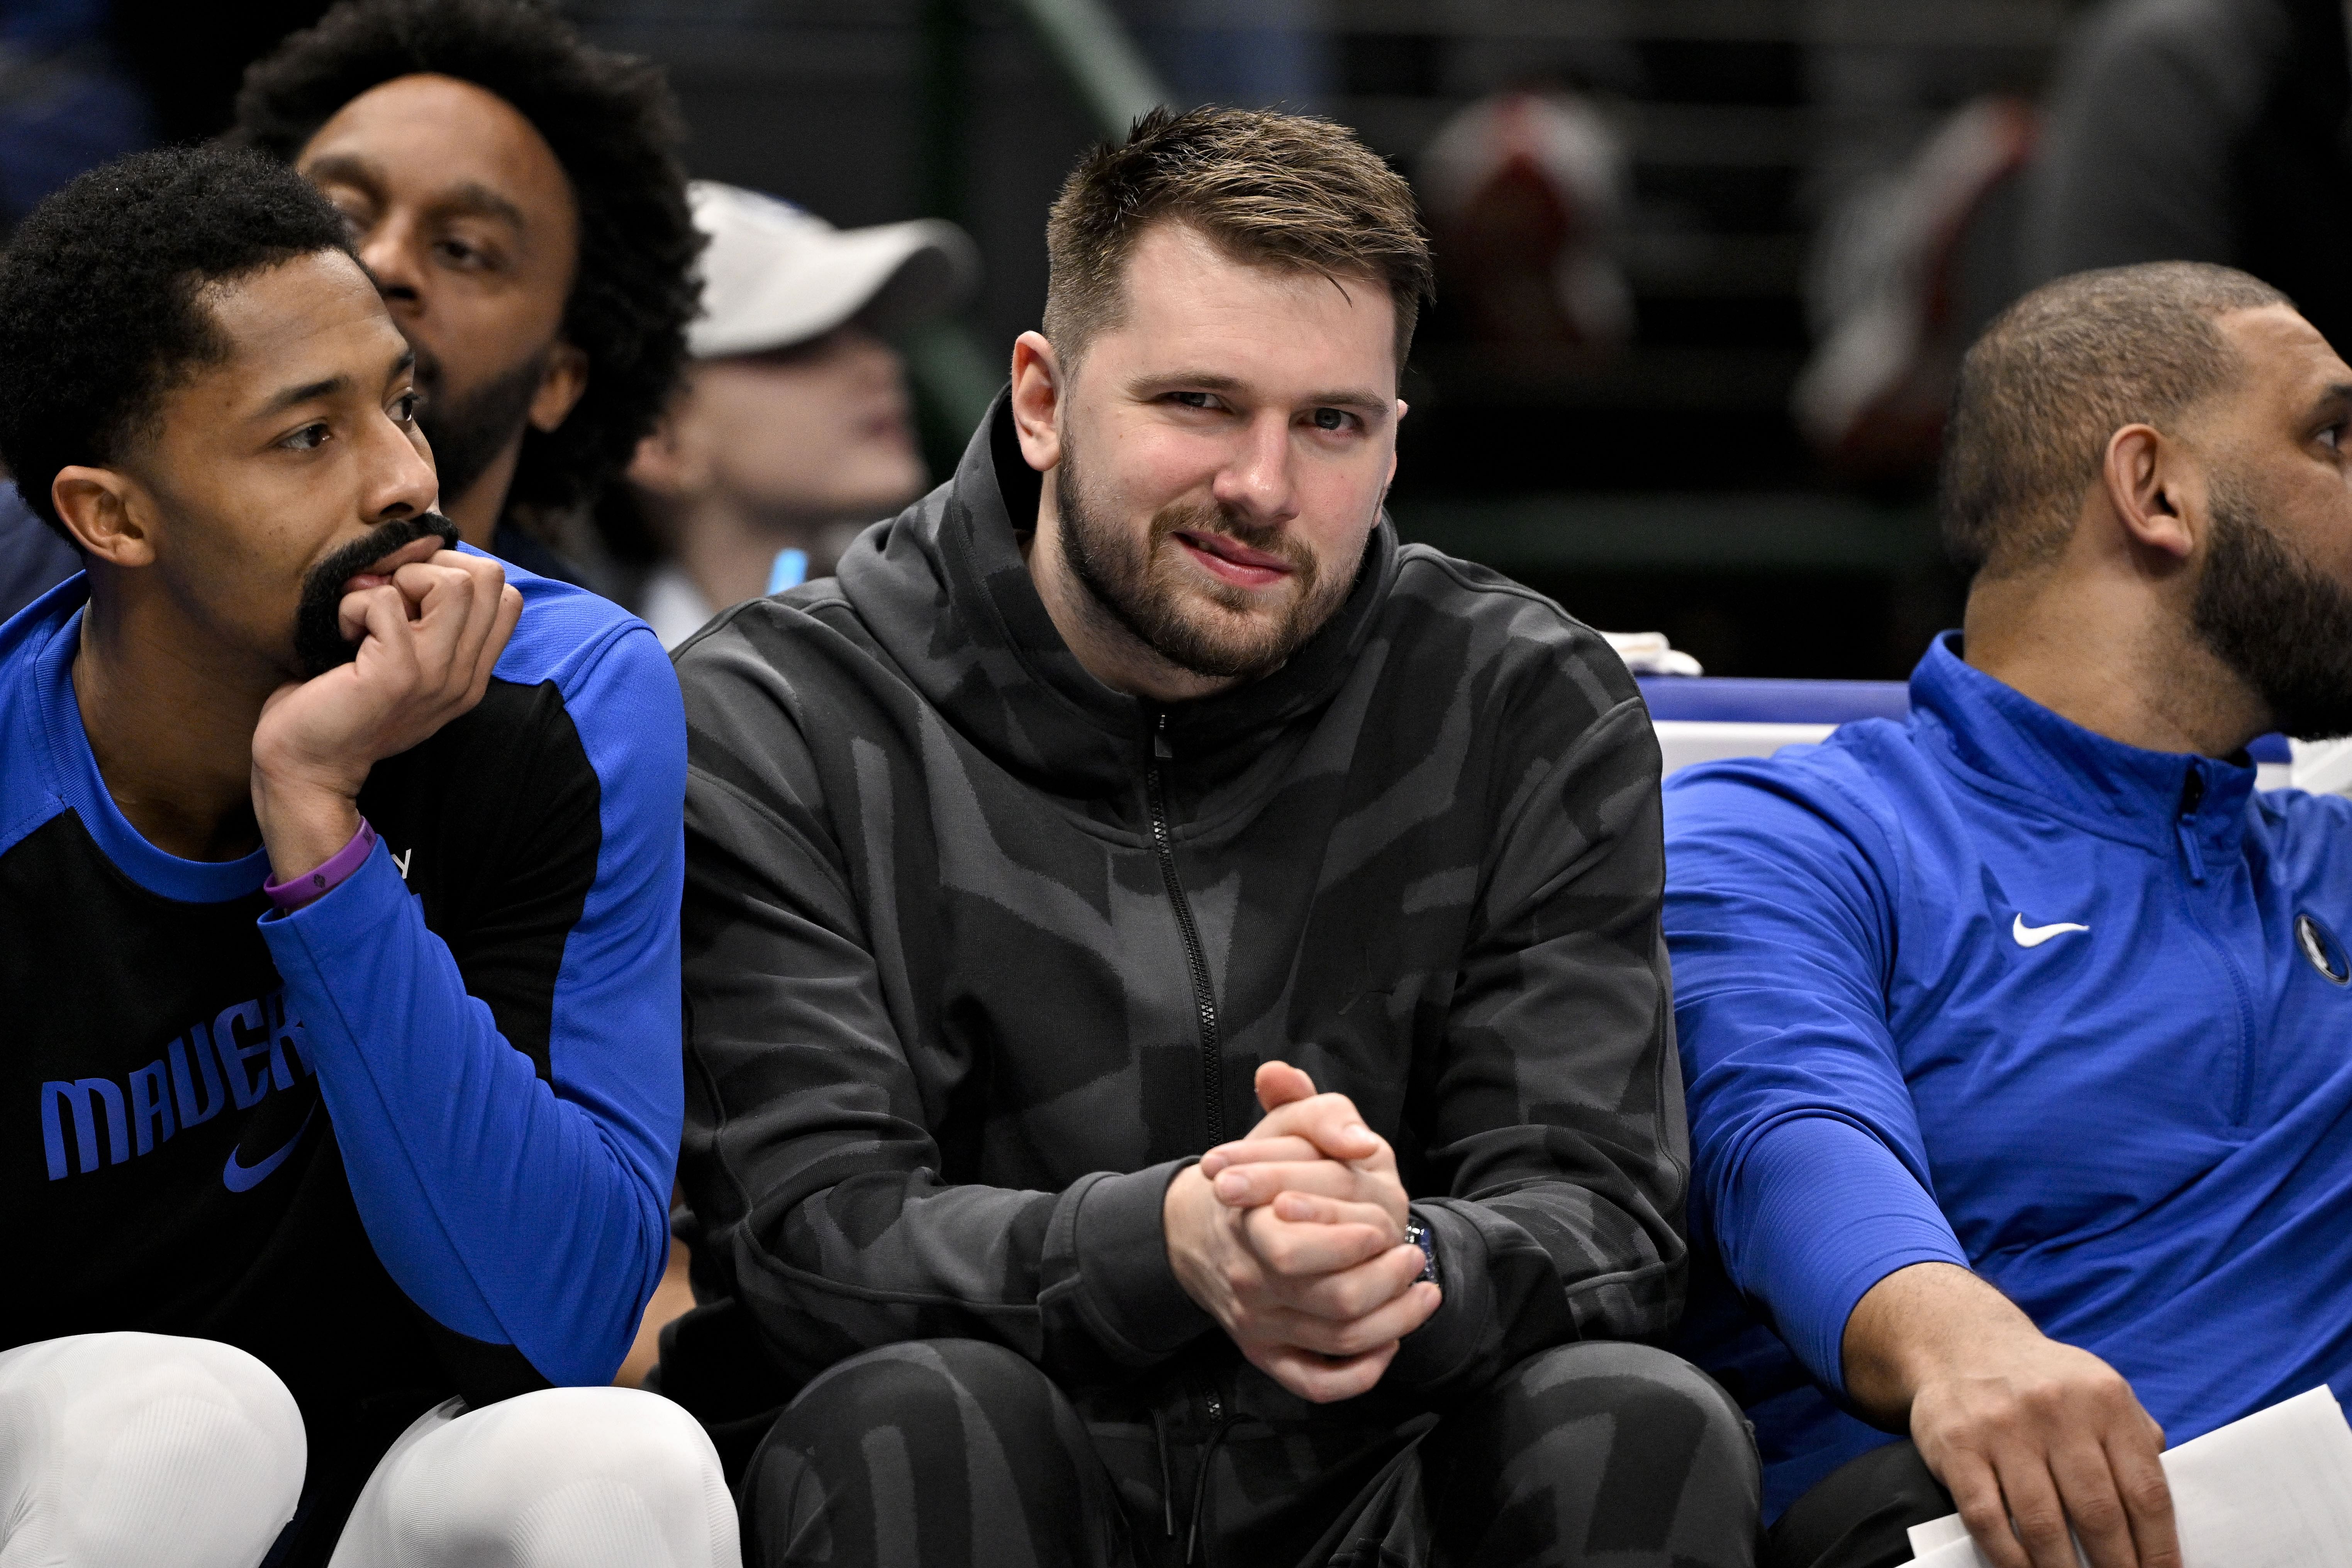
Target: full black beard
2283	626
468	433
318	628
1134	586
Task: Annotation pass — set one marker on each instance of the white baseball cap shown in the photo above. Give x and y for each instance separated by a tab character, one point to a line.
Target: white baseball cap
774	275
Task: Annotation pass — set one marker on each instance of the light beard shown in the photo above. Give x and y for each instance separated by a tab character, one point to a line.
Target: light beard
1205	628
2277	622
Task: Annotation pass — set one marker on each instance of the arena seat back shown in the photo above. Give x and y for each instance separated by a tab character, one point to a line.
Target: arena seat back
1705	718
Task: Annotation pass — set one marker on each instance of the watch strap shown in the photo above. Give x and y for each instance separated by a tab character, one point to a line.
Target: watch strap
1419	1234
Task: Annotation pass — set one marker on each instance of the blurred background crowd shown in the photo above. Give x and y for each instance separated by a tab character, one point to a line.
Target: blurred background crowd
1706	267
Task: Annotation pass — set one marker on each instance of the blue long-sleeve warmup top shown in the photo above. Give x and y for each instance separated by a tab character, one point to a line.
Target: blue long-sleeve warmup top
1989	989
416	1138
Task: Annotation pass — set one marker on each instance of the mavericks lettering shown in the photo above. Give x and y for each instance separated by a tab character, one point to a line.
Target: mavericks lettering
240	1055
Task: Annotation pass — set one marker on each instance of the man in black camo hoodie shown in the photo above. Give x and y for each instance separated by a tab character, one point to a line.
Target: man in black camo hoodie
1135	782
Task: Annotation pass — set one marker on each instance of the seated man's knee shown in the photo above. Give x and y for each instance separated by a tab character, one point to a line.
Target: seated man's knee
565	1478
923	1384
1660	1451
105	1434
1620	1374
895	1434
1657	1402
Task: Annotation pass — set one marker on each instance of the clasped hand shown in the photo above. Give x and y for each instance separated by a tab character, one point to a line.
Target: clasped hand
429	639
1293	1240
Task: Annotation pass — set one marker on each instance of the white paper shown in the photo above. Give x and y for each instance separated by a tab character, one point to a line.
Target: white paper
1960	1553
2273	1490
1937	1532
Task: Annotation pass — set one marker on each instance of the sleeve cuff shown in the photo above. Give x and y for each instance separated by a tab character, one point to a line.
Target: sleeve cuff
1830	1211
1434	1353
1127	1290
351	911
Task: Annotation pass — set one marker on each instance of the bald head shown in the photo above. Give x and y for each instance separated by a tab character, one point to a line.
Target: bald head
2055	376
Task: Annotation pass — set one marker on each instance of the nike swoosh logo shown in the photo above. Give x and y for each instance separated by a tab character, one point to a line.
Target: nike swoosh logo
239	1178
2034	936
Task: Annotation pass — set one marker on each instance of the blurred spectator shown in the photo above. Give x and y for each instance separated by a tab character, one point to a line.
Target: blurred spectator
1904	277
516	194
1525	193
792	429
2204	130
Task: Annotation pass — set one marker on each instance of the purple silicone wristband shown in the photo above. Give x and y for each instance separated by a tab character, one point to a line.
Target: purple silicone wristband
314	885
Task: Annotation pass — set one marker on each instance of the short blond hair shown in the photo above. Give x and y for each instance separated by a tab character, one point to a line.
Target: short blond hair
1287	190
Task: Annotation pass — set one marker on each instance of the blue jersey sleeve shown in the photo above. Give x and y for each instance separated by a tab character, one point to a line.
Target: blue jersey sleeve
1805	1145
515	1208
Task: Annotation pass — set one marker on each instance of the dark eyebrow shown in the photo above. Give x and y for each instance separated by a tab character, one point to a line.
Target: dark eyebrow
2333	400
473	199
310	390
470	199
329	386
348	168
1358	397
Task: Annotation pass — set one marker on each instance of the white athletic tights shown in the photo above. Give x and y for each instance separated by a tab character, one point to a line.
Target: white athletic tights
144	1451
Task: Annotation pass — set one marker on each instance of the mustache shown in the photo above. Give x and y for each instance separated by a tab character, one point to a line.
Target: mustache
1194	518
318	640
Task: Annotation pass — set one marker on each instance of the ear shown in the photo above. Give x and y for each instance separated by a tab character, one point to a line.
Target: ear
106	513
1403	408
559	387
1037	389
654	466
672	461
2154	491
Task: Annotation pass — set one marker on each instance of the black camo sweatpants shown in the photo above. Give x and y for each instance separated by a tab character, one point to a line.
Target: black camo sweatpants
949	1453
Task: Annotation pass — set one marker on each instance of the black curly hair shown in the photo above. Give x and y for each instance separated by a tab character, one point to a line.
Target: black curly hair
614	127
99	314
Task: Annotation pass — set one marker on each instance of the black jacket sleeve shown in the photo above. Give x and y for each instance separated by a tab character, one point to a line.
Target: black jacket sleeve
1549	1127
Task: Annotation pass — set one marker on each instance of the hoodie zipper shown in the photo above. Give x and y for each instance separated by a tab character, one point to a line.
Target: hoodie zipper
2192	796
1205	999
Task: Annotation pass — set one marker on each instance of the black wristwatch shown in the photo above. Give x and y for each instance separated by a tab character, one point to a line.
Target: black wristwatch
1419	1234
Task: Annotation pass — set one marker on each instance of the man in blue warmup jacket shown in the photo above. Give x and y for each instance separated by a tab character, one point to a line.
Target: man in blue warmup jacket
339	887
2016	1034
